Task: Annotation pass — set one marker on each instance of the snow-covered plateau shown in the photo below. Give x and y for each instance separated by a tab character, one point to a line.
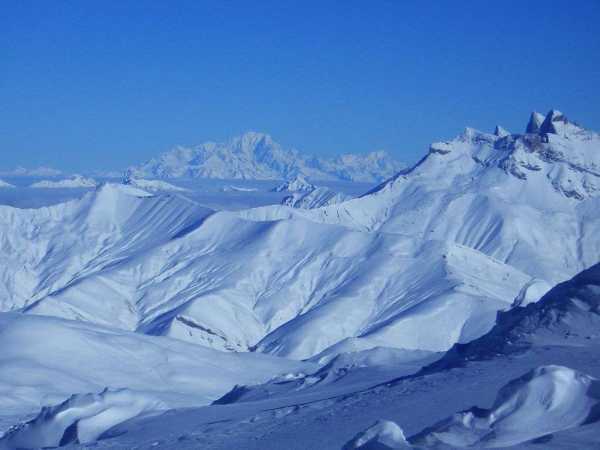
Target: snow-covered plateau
455	304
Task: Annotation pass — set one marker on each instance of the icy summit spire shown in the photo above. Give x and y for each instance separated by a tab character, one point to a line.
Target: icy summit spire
554	122
535	122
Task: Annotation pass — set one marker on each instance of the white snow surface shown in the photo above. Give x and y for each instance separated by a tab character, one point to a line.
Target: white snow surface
544	401
170	267
382	435
45	359
553	406
76	181
80	419
316	198
308	196
257	156
152	185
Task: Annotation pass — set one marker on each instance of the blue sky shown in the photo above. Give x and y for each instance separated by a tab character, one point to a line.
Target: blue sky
103	85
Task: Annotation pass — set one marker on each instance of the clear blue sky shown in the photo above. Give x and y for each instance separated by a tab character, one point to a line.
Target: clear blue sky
107	84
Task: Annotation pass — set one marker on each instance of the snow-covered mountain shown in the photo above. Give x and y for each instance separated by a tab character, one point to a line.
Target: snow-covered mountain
257	156
296	185
483	223
521	199
76	181
308	196
443	245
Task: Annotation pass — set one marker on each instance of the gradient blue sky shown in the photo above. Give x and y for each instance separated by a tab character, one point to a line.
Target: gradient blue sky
106	84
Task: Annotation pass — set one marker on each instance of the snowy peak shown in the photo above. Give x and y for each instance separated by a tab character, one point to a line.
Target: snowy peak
554	122
560	155
257	156
501	132
535	122
557	123
297	184
76	181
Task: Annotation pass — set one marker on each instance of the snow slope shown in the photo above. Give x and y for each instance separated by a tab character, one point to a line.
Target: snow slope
257	156
317	198
307	196
77	181
569	314
44	360
553	406
169	267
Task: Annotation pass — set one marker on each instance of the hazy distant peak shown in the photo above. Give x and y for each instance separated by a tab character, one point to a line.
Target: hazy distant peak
256	155
500	131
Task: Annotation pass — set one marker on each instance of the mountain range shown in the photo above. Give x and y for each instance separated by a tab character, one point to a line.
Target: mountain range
256	156
422	263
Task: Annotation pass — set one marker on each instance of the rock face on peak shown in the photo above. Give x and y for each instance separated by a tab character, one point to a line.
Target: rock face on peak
535	122
257	156
557	123
501	132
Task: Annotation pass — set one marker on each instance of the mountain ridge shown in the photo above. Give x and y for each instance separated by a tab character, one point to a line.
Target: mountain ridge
255	155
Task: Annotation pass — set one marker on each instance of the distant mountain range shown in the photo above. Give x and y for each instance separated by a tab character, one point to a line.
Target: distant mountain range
257	156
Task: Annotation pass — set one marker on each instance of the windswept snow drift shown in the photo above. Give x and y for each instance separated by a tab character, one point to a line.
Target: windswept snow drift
383	435
544	401
80	419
